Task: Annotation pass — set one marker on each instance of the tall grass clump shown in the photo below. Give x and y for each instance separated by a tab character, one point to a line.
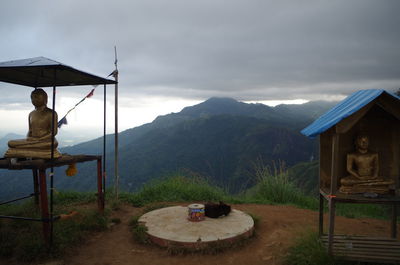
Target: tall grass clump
308	250
274	186
175	189
139	230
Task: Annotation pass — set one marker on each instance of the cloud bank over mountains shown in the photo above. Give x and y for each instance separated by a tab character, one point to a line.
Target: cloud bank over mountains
197	49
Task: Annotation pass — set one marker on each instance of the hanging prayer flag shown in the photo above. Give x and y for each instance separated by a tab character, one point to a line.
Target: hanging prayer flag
62	122
64	119
90	94
114	73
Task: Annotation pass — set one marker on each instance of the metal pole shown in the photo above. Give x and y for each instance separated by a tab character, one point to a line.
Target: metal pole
100	191
116	176
104	139
331	230
36	186
44	207
18	199
393	232
321	215
53	126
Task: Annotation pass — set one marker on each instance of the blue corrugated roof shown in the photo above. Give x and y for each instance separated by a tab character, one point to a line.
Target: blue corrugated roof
347	107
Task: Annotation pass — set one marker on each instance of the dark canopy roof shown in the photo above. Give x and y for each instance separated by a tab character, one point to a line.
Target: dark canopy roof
44	72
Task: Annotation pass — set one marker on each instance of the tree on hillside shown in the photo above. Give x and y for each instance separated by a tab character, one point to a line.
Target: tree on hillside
397	92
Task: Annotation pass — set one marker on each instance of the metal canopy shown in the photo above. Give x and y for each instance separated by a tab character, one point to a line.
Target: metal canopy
44	72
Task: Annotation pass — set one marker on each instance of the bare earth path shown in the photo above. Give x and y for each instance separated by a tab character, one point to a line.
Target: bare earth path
277	228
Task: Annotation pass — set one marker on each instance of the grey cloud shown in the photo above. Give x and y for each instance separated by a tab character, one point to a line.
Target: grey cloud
197	49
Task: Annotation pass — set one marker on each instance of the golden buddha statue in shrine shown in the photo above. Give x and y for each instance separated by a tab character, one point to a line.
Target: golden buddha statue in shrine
363	167
38	141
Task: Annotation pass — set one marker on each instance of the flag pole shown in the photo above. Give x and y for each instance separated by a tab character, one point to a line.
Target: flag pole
116	176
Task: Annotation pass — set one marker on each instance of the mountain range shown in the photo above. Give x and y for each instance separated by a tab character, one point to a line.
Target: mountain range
220	139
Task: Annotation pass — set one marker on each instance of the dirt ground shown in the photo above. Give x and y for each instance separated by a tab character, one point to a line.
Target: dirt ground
277	228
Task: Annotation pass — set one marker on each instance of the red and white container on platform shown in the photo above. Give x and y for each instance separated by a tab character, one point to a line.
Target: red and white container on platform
196	212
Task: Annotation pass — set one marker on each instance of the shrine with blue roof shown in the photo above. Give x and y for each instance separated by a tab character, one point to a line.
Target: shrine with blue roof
374	113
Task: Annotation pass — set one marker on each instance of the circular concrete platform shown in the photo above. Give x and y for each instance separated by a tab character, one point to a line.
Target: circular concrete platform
170	227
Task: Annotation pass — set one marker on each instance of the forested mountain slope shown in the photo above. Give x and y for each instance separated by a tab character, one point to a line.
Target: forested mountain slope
220	139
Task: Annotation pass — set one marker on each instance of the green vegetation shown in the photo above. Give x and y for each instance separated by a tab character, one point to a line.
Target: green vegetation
305	176
73	197
138	230
256	219
23	240
278	186
363	210
218	138
309	250
175	189
275	187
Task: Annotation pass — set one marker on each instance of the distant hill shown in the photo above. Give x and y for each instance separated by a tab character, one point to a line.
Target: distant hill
294	116
219	138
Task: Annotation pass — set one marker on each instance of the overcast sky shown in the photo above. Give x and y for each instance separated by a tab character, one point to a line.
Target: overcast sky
173	53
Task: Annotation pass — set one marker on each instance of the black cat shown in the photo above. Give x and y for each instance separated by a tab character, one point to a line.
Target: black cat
214	210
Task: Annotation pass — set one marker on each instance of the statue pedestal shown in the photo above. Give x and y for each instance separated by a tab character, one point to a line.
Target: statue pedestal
362	188
24	153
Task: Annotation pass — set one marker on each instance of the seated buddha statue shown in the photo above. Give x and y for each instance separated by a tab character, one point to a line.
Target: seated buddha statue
38	141
363	167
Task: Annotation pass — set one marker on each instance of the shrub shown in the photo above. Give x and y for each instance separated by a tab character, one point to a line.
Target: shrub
23	240
139	230
275	187
175	189
308	250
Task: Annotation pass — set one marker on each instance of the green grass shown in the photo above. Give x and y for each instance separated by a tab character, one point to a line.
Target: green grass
309	250
256	219
23	240
363	210
139	231
67	198
175	189
273	187
276	188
